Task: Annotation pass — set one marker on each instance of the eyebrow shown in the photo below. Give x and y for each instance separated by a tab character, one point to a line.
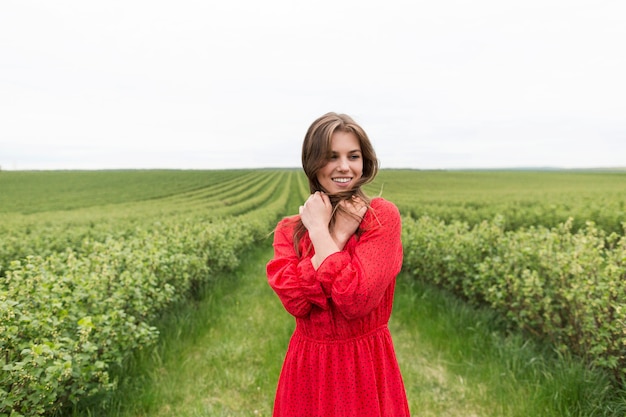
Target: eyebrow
352	151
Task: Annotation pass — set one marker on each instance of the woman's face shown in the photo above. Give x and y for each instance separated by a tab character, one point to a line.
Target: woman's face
345	166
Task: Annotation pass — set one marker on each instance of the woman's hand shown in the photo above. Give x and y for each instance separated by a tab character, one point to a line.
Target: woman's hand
347	221
315	215
316	212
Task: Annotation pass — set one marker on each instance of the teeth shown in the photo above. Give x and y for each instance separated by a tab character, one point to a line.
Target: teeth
344	180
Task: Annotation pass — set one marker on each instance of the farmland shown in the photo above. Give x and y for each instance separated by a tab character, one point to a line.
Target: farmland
91	261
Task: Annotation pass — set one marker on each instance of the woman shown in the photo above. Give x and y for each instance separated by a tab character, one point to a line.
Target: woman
334	269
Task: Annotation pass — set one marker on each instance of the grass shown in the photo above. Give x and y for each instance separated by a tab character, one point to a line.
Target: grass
458	361
221	356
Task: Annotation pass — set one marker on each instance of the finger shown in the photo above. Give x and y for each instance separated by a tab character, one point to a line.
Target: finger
310	198
357	201
354	208
348	203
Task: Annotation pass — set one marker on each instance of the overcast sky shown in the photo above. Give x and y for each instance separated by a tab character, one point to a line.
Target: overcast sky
235	84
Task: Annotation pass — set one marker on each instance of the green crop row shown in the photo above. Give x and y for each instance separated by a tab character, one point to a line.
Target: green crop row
67	317
607	213
523	198
564	286
32	192
54	231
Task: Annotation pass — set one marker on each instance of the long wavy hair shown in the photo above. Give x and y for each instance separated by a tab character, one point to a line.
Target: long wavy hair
316	152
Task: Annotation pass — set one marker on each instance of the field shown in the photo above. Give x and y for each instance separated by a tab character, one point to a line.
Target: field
94	265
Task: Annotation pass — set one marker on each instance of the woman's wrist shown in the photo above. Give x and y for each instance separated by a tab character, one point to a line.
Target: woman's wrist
340	239
319	235
324	245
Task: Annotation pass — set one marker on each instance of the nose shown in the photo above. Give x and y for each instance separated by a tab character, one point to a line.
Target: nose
343	165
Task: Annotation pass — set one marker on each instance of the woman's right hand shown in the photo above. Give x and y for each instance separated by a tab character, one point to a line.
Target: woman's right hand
315	215
316	212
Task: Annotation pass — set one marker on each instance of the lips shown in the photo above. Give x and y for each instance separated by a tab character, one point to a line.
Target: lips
342	180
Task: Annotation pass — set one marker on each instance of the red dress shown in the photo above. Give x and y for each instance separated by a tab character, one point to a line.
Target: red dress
340	361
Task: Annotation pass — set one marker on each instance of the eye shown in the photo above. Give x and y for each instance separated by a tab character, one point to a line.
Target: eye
354	157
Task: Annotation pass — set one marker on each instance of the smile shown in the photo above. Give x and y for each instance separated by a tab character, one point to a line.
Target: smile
342	180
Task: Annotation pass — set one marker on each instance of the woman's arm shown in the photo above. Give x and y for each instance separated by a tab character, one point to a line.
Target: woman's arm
293	279
357	278
316	214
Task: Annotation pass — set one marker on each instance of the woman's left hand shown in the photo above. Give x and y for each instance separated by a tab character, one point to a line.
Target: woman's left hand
347	221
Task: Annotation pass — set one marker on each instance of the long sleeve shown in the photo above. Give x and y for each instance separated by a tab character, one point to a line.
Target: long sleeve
293	279
357	277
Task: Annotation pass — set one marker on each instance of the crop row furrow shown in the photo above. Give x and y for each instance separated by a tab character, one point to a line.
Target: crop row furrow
242	195
214	190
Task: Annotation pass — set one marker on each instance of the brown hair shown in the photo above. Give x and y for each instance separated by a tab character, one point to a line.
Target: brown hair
316	151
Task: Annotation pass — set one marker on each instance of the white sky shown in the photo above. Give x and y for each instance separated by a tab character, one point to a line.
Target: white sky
235	84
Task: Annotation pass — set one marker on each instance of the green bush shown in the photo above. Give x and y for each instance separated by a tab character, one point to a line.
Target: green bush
66	318
564	286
